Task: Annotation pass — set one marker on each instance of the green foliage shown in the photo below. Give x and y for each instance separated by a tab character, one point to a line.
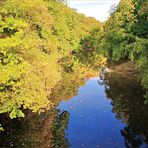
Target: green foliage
126	37
91	53
35	37
118	30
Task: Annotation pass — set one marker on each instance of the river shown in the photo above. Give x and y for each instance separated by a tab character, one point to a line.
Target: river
106	112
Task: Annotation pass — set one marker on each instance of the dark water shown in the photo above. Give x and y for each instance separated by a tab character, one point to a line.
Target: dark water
104	113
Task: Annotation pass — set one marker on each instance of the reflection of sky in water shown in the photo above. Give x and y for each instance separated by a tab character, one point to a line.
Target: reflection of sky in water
92	124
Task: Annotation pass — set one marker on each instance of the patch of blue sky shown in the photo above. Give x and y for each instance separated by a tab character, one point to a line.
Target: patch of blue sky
98	9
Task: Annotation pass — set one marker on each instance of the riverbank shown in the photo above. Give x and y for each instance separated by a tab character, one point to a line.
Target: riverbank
125	69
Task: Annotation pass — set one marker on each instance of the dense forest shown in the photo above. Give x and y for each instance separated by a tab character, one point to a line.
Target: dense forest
38	39
43	40
125	37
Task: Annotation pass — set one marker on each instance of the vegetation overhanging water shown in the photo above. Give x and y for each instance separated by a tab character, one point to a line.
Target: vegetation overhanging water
47	51
104	112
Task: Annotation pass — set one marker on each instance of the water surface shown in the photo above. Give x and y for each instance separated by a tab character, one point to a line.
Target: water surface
104	113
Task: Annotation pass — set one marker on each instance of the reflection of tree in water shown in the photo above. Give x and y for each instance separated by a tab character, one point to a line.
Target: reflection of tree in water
132	139
128	105
36	131
68	87
47	129
60	124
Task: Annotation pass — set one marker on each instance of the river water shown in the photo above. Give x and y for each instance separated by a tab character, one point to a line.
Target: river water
106	112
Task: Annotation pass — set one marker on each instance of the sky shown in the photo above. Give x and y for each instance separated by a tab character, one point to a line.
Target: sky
98	9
